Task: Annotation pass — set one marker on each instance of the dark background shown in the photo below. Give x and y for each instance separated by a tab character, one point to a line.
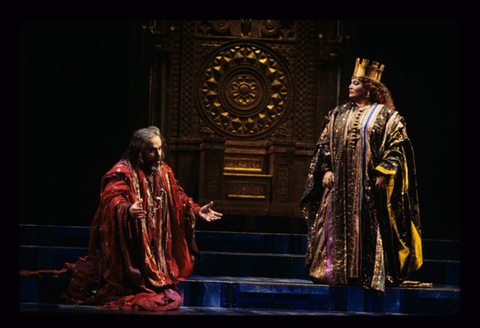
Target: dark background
76	107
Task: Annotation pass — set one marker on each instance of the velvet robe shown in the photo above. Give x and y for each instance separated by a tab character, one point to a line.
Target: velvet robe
135	264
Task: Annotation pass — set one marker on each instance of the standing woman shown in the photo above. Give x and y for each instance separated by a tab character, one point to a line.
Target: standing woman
360	201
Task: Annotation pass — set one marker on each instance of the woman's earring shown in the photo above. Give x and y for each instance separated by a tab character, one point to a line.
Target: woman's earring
368	94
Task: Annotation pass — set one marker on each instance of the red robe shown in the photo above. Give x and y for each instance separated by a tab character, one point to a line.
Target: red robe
136	263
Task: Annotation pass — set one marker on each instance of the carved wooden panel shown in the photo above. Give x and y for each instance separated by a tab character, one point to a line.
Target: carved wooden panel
240	103
244	164
252	28
256	189
244	90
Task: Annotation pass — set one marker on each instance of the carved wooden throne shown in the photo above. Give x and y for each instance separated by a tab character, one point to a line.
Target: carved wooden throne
240	103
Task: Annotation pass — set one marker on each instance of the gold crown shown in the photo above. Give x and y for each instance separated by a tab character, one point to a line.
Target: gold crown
372	72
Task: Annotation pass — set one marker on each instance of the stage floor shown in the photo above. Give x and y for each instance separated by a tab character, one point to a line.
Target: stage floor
47	308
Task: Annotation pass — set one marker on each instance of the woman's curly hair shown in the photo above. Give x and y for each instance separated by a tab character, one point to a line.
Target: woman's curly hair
378	92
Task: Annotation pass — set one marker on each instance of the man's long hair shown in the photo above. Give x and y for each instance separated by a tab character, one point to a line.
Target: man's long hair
138	142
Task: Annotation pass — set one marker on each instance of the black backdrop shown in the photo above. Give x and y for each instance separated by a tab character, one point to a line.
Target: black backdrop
76	109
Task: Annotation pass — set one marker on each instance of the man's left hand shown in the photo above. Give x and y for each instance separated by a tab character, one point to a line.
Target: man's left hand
206	213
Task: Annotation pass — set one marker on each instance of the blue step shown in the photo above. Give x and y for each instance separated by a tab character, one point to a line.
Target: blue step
227	253
252	265
221	241
253	270
235	264
273	293
438	249
249	242
46	289
53	235
276	293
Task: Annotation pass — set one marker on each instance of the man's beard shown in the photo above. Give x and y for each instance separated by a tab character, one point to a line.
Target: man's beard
152	167
155	167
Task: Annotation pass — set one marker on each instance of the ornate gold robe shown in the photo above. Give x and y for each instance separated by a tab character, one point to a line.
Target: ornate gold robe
355	233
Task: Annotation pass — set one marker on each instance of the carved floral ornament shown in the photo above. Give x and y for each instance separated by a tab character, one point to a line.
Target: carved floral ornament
254	28
244	90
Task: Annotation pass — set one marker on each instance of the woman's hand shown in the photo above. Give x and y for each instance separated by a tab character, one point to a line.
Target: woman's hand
382	182
206	213
328	179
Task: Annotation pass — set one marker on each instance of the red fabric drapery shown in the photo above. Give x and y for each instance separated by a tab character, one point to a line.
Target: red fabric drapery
132	264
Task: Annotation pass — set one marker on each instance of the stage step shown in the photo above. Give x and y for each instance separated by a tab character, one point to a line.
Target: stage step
220	241
276	255
235	264
275	293
252	270
210	313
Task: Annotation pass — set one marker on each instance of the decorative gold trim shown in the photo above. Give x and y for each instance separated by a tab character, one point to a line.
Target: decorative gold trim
247	175
229	168
247	196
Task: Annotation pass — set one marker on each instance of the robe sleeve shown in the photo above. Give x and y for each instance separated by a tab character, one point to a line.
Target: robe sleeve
193	208
401	194
184	218
321	161
392	153
115	199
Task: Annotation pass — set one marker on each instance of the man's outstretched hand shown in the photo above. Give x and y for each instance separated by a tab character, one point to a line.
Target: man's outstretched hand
206	213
